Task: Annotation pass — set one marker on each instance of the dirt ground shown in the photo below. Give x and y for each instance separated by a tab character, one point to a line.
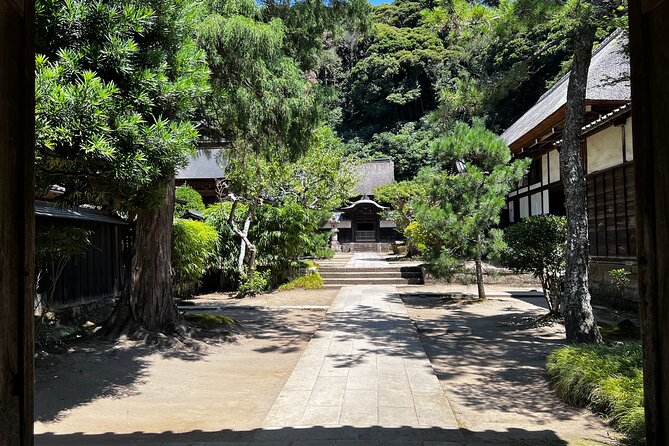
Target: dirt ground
490	361
292	298
490	365
99	387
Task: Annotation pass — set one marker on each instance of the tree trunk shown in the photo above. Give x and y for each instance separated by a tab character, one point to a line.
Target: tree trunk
579	320
479	276
146	302
244	236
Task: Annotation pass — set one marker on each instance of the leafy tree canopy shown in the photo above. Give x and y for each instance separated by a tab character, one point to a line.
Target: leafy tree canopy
116	88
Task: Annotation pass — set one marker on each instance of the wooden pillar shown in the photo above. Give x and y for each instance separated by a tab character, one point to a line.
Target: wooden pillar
649	28
17	93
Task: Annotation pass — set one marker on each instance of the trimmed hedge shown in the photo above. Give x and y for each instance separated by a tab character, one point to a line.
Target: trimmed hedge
194	251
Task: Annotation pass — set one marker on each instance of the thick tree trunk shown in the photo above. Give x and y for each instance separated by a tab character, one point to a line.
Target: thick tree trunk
579	320
147	301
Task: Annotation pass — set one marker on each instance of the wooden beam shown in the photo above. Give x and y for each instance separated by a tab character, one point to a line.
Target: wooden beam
17	280
649	26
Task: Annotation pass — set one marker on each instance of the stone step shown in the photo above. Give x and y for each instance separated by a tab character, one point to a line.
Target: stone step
340	281
372	274
371	269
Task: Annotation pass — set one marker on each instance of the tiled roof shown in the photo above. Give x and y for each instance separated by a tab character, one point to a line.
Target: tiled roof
206	164
44	209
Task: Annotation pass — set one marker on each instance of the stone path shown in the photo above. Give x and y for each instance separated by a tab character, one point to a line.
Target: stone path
364	367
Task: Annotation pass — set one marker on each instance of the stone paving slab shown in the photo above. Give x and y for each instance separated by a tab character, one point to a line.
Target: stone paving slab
364	367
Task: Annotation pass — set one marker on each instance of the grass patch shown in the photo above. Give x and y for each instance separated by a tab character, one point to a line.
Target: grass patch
206	320
312	281
607	379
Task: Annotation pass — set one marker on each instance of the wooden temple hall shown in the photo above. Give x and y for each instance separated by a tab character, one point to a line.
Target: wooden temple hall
607	162
360	226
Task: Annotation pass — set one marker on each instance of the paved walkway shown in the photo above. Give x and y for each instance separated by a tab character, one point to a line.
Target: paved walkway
364	367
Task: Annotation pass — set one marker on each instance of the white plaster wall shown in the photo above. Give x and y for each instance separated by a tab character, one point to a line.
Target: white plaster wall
524	207
544	169
387	224
546	204
554	158
629	153
605	149
536	203
343	224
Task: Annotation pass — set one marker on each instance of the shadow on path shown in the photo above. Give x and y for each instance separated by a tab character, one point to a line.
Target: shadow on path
314	436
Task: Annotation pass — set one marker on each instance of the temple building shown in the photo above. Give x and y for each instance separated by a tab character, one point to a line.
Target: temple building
203	171
606	153
361	226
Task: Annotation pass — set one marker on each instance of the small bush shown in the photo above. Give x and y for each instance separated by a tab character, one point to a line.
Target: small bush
606	379
619	278
538	245
312	281
255	283
192	198
323	253
194	251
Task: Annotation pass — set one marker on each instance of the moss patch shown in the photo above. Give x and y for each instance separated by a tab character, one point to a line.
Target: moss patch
310	282
206	320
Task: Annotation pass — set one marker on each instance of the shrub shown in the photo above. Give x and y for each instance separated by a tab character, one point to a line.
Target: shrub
619	278
281	235
606	379
54	248
192	198
312	281
255	283
538	245
194	251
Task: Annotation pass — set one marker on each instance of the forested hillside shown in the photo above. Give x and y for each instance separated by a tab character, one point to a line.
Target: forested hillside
423	65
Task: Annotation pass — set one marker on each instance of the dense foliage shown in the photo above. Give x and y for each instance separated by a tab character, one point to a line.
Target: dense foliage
463	200
538	244
187	199
427	64
281	235
116	86
194	251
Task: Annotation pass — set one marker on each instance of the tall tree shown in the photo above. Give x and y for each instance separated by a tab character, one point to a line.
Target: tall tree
579	319
116	84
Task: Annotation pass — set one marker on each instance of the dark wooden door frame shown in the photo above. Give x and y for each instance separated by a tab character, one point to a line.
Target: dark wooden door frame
649	28
17	92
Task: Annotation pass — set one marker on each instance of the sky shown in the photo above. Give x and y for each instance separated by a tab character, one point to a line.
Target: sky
379	2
